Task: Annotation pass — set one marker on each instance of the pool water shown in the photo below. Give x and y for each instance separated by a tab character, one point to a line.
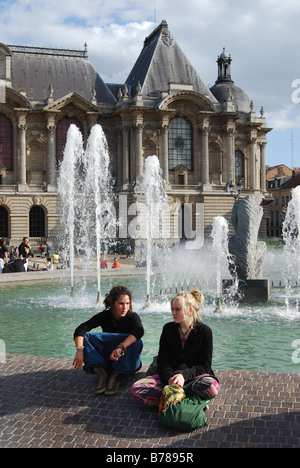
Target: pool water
40	318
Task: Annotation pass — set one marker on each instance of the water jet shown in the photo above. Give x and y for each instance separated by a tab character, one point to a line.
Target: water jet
151	190
86	198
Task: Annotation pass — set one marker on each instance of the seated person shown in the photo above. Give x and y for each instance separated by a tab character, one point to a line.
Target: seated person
185	352
103	263
116	264
117	350
16	266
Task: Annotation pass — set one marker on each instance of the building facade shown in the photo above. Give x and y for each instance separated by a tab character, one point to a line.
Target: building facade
281	180
204	138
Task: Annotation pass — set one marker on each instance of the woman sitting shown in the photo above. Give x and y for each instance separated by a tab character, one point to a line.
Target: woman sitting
117	350
185	352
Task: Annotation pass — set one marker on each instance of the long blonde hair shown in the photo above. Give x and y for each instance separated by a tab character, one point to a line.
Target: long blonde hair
191	303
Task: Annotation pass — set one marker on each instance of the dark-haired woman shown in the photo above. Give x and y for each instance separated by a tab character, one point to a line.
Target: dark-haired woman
117	350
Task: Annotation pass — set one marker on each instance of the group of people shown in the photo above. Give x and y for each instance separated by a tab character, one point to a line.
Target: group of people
11	264
44	250
15	259
104	265
184	354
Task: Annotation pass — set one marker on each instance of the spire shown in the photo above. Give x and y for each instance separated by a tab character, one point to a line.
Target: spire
224	67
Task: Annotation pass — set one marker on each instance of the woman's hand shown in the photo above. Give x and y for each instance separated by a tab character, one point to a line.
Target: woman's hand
116	354
177	379
78	360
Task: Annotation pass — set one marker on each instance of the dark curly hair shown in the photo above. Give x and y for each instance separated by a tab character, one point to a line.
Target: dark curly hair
114	294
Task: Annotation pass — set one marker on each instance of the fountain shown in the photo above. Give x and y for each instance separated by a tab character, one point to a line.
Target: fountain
46	305
247	251
290	233
67	188
152	188
224	261
86	198
98	196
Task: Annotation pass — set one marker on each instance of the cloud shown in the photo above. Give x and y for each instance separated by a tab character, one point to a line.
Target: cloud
288	117
262	37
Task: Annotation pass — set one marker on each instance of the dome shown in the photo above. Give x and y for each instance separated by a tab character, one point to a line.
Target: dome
240	99
225	86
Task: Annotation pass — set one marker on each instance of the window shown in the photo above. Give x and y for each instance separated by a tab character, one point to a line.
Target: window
3	222
239	165
6	143
180	143
61	135
37	222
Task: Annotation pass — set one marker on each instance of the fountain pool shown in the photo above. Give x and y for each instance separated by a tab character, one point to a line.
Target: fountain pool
40	318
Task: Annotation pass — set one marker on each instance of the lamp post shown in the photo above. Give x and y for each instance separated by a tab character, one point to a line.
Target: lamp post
235	189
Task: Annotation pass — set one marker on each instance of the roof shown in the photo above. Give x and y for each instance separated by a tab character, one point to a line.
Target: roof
269	168
240	99
293	182
35	68
161	62
225	87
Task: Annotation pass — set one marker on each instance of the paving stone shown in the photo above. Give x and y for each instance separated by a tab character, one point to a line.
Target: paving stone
46	403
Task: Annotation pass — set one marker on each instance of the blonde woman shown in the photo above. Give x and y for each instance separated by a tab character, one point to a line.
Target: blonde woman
185	352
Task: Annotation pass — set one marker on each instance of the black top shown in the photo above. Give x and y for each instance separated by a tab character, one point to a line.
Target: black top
130	324
24	251
196	353
3	251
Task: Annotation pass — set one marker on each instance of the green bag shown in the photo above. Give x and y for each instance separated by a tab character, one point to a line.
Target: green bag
186	415
179	412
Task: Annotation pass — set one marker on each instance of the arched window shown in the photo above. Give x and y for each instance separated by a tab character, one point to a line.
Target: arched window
36	222
239	165
3	222
180	143
6	142
61	135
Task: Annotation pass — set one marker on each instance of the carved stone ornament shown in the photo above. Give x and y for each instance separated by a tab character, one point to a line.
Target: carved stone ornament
2	200
167	38
37	200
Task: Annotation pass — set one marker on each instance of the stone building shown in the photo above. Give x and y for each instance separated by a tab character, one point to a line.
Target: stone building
281	180
204	138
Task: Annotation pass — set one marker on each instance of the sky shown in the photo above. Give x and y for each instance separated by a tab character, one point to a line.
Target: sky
262	37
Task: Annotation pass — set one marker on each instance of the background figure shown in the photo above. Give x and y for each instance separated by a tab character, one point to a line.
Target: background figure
25	251
3	250
116	263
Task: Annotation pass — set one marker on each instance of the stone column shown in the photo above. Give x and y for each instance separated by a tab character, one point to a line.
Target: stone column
118	161
125	158
139	149
22	126
165	152
253	147
51	155
205	158
263	167
230	157
92	120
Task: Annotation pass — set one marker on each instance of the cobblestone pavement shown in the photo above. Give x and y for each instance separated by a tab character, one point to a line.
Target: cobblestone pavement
46	403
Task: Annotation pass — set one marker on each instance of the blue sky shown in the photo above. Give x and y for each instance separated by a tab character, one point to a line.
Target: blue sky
261	36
